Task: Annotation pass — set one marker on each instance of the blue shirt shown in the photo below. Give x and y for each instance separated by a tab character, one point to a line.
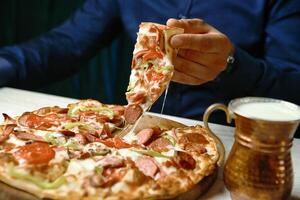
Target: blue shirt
266	34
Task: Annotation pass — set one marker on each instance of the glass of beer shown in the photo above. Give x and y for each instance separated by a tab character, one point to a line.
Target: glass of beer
259	165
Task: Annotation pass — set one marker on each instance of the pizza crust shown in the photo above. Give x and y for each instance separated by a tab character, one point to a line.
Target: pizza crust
29	187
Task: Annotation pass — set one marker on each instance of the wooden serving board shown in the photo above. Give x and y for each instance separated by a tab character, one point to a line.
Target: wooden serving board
147	121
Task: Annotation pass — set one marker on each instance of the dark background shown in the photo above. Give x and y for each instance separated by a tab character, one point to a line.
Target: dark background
105	77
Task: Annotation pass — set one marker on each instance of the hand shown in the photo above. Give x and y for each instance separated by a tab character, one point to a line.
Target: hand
203	51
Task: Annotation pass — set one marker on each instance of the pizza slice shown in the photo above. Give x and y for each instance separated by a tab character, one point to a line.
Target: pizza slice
152	68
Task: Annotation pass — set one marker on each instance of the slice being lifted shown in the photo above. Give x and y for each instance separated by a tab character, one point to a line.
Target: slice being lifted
152	68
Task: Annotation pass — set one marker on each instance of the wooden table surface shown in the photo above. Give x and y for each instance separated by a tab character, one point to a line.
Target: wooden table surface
15	102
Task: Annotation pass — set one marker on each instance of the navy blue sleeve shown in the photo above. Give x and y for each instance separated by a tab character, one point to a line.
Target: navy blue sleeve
277	73
59	52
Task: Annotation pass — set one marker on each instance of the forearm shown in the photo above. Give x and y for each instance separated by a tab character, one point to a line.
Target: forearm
59	52
276	72
260	77
7	72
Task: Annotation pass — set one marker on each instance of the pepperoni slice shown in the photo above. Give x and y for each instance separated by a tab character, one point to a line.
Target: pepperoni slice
146	165
7	130
67	132
29	119
78	154
185	160
140	54
152	55
29	136
144	135
93	115
32	120
92	138
36	153
157	131
47	110
153	76
102	118
199	148
104	131
112	161
136	97
156	30
115	143
120	144
81	139
118	110
193	138
108	142
148	42
132	113
160	144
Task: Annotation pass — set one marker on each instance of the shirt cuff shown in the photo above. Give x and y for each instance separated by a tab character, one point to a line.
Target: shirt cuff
243	78
7	72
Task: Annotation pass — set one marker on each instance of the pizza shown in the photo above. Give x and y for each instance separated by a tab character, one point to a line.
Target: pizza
81	152
73	153
151	68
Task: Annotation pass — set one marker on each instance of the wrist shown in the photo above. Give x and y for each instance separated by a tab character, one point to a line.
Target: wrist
230	61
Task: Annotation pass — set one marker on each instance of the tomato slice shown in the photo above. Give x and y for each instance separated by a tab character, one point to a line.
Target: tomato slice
116	143
120	144
108	142
36	153
152	54
32	120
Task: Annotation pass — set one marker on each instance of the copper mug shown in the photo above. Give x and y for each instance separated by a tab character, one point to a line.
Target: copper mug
259	165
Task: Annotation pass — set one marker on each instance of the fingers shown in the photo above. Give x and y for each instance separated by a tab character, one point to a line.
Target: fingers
190	25
194	70
203	51
182	78
211	60
209	43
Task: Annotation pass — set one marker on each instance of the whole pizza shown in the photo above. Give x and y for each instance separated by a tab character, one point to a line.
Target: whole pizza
77	152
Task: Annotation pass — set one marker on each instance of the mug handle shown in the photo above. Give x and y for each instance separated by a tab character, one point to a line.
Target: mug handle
220	145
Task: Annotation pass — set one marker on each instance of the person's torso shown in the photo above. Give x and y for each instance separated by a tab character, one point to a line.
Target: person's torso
241	21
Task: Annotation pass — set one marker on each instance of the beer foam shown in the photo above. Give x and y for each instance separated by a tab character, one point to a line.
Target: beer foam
271	111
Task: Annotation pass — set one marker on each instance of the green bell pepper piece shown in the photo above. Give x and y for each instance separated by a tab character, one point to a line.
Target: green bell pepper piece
149	152
99	169
102	110
58	141
75	124
35	180
170	138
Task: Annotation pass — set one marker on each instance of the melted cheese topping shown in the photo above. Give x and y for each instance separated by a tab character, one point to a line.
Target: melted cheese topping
128	153
81	167
43	133
16	141
130	137
60	156
120	186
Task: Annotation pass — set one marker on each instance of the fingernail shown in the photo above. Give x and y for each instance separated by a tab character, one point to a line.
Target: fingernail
170	21
176	41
